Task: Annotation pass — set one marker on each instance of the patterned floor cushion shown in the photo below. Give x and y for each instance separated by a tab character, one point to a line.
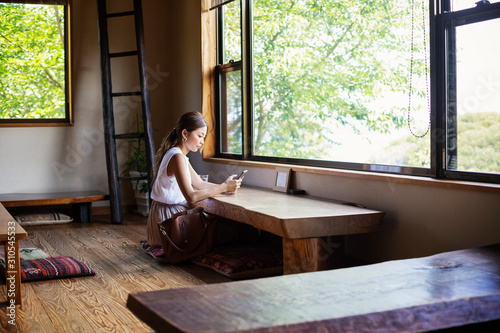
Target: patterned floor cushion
244	261
38	265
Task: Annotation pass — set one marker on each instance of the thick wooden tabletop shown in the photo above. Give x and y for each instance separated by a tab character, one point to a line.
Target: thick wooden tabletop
54	198
445	290
293	216
6	222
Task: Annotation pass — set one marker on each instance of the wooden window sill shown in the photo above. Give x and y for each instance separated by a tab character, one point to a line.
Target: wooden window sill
403	179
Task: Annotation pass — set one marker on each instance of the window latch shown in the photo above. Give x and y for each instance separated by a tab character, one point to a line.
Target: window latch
482	3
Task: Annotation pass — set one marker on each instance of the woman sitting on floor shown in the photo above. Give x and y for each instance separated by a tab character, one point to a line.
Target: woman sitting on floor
176	185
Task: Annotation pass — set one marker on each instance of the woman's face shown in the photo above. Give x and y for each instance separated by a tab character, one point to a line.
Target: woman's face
196	138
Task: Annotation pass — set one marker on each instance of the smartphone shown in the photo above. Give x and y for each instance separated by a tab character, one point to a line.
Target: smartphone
242	174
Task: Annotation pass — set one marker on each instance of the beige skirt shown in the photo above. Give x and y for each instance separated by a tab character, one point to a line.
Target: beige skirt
160	212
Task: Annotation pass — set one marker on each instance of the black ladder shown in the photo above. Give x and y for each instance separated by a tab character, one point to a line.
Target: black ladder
110	136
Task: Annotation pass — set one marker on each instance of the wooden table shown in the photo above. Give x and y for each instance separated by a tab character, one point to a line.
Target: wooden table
10	235
440	291
308	225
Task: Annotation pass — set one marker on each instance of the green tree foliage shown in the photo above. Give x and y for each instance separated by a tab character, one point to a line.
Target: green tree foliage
32	61
319	60
479	142
322	65
478	139
234	112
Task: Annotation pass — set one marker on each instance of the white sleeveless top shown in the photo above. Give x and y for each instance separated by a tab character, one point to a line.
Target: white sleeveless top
165	188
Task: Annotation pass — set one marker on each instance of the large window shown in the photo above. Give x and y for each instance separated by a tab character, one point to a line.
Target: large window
34	62
385	86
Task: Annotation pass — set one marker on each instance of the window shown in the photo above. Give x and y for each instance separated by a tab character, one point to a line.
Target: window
34	79
231	119
360	85
472	118
231	137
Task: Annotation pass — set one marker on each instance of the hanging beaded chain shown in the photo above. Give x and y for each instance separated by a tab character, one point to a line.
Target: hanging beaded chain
426	70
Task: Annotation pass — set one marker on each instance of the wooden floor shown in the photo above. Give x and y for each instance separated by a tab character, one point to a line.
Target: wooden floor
96	303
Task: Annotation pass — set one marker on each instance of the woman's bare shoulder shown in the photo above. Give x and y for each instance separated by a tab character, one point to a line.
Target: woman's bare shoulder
176	163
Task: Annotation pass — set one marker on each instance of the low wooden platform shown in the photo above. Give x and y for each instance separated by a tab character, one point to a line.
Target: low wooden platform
440	291
81	201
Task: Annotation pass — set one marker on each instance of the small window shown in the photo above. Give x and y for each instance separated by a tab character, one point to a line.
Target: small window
231	119
231	30
34	80
473	102
229	67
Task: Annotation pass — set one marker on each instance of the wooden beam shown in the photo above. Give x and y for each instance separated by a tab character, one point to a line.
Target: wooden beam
208	62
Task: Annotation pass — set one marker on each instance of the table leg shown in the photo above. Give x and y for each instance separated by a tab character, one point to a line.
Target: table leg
312	254
82	212
13	273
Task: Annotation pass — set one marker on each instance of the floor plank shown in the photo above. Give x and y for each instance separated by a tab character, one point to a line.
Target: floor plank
98	303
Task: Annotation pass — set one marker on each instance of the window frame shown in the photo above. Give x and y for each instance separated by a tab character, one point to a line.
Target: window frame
439	12
222	71
68	119
446	66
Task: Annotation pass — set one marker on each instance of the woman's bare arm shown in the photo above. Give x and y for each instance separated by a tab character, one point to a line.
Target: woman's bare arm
180	171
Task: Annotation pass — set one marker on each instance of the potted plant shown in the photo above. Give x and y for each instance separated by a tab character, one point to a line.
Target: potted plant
136	166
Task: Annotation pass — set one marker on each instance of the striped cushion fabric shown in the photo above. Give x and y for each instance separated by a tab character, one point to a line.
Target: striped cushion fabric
53	268
37	265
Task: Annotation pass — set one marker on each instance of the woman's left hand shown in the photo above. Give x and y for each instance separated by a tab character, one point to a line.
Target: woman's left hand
232	184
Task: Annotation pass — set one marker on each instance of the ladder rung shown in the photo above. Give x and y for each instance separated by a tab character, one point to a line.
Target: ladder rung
120	14
129	136
133	93
132	178
123	54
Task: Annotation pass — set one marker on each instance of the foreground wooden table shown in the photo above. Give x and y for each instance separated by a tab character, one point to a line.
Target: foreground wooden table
440	291
306	223
10	235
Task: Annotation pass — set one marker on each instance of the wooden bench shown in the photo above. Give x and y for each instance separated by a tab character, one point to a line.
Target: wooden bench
81	201
445	290
10	235
312	229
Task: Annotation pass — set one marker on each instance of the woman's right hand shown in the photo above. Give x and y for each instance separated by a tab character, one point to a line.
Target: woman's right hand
232	185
